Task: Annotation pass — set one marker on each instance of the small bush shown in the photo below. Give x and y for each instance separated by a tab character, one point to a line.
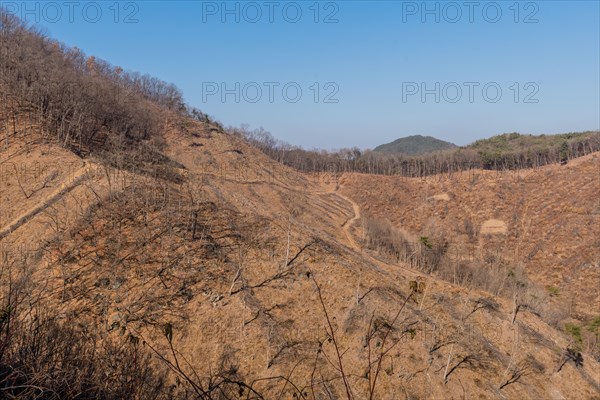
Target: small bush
574	331
553	291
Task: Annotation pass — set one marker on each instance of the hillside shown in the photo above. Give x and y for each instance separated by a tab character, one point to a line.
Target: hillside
148	253
543	221
415	145
208	257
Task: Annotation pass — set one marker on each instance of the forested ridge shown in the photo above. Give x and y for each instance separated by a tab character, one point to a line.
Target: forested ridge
502	152
82	102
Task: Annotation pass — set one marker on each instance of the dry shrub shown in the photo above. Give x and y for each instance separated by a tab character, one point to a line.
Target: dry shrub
46	355
52	359
424	254
489	272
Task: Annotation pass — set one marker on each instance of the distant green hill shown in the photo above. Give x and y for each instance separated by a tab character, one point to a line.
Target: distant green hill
415	145
514	142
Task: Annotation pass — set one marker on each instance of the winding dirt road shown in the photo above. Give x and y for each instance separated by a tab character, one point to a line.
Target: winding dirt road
377	262
348	224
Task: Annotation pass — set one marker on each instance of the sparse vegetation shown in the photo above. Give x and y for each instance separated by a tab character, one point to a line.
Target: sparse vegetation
47	355
154	277
83	103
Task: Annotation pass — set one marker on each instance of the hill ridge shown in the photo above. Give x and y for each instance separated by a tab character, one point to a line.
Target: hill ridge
415	145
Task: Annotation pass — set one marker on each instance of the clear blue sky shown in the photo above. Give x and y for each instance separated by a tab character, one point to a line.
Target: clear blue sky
373	57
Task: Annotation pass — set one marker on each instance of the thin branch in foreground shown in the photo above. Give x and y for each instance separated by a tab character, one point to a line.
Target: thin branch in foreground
335	343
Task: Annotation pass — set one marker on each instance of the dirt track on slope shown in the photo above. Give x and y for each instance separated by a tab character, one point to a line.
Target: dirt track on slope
348	224
346	228
56	195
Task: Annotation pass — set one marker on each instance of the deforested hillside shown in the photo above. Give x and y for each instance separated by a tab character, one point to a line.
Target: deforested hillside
255	276
544	222
171	259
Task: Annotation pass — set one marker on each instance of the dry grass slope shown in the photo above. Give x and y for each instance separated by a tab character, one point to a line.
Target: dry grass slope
247	277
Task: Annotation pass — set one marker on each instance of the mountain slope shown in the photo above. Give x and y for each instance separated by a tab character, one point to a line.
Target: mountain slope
544	221
147	253
209	257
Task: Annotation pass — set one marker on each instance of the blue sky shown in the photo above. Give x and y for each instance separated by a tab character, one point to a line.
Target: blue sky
368	72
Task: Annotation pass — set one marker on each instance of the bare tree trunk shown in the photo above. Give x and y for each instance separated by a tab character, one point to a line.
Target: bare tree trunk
516	307
448	363
287	252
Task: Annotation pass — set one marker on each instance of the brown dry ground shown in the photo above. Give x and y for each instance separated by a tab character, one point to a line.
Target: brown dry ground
546	220
126	253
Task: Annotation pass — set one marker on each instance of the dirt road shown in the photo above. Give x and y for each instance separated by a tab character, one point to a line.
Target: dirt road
72	182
